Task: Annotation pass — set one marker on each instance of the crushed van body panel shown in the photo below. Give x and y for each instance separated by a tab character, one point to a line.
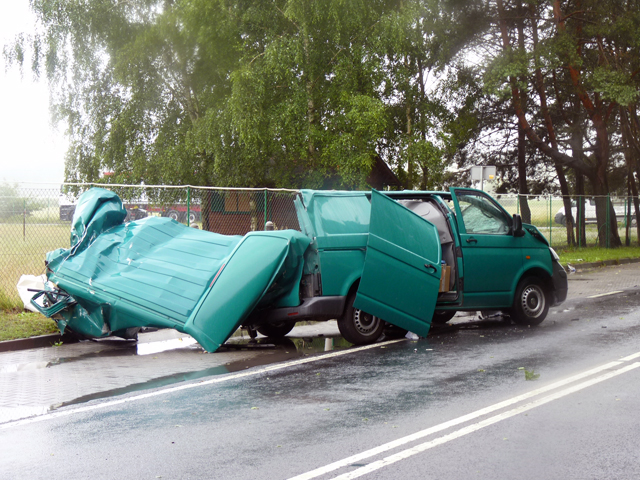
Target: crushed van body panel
157	272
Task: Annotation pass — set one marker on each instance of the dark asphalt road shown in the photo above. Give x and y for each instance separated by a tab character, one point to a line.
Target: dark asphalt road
290	421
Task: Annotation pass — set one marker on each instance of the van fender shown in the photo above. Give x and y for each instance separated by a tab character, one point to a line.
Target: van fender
350	284
536	269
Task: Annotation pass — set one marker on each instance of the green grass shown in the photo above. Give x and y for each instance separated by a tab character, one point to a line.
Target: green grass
22	252
576	256
16	324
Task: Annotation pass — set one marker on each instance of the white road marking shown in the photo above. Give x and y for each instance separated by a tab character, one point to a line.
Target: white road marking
605	294
219	379
477	426
457	421
630	357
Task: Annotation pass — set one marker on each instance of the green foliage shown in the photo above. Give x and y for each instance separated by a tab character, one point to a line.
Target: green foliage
616	86
531	375
251	93
15	204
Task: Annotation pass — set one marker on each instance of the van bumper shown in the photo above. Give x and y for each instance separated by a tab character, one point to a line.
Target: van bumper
315	308
560	284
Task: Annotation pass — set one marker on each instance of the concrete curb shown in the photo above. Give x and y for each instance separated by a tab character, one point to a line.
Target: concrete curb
35	342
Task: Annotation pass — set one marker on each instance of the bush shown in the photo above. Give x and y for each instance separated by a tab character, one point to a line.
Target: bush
12	204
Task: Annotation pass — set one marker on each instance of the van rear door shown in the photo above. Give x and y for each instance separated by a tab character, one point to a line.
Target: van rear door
401	274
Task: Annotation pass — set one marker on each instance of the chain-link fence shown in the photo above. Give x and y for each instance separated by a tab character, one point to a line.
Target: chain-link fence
572	221
35	219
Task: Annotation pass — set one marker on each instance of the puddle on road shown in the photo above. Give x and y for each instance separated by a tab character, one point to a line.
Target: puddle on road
21	367
272	351
122	348
278	351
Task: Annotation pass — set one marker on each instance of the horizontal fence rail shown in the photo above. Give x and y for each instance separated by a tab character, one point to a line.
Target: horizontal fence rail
36	218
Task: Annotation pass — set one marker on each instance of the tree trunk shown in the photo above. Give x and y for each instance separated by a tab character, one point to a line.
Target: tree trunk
566	200
311	107
410	162
581	230
523	188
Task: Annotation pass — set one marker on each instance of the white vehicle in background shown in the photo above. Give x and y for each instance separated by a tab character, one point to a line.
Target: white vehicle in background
590	213
67	204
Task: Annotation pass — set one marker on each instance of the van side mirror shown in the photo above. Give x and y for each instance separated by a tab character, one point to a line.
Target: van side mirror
517	226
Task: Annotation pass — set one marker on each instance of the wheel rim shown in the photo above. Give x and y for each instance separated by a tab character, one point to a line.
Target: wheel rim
365	324
533	301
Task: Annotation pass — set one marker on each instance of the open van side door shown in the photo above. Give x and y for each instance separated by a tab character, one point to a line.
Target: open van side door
401	274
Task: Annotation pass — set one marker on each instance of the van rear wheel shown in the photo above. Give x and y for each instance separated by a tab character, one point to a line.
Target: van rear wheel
531	303
277	330
358	327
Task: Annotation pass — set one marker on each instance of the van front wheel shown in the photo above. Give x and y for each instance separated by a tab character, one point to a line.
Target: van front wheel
358	327
531	303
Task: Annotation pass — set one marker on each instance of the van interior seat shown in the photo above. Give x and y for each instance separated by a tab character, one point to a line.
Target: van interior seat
429	211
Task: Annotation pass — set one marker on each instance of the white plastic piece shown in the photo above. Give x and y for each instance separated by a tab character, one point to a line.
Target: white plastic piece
27	283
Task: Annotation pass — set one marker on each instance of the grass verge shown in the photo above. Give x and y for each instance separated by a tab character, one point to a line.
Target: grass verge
576	256
16	324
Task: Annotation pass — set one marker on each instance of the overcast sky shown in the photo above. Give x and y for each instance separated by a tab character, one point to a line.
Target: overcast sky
31	149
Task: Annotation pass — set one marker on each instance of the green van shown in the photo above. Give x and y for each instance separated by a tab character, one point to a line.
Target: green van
405	258
414	258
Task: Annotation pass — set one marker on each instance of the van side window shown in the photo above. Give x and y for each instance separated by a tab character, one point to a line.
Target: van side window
337	215
480	215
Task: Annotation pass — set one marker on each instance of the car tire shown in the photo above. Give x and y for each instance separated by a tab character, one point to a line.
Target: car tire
358	327
193	217
392	331
531	303
277	330
173	215
440	317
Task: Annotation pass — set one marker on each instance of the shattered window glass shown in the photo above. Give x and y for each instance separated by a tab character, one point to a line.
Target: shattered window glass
480	215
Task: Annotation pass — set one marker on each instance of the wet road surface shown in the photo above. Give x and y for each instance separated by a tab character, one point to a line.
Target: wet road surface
292	418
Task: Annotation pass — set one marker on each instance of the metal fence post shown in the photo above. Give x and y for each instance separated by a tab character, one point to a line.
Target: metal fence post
550	215
579	229
24	219
188	206
265	206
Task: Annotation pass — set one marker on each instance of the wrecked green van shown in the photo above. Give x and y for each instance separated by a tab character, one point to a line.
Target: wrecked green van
368	259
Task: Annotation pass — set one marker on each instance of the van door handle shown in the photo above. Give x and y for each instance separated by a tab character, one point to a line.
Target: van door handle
431	267
472	240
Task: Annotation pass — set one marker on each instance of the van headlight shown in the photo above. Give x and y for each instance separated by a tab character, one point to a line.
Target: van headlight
554	255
